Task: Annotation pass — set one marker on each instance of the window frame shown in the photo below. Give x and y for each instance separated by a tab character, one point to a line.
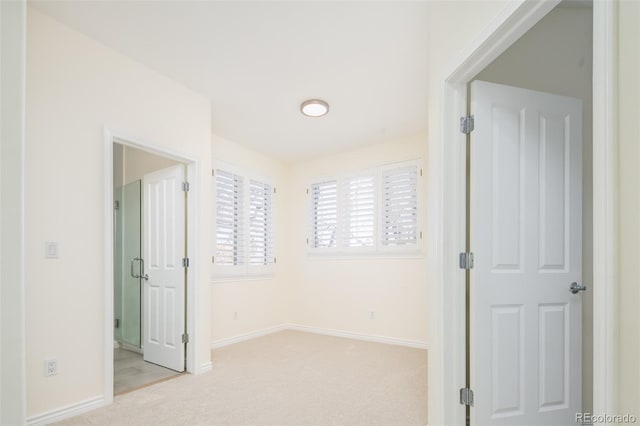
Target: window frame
245	270
378	249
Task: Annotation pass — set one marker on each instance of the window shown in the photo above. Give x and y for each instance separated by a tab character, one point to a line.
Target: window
359	210
244	235
372	211
260	224
229	250
399	206
325	214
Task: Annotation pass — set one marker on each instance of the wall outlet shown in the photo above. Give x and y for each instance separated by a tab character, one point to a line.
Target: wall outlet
372	314
50	367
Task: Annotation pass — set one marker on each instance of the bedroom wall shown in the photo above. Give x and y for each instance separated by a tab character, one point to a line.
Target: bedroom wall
260	302
338	292
76	87
628	369
12	138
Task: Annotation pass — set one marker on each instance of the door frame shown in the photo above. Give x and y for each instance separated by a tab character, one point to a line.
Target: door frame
450	207
110	138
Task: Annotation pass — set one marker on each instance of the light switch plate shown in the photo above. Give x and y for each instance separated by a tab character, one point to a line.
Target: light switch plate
51	250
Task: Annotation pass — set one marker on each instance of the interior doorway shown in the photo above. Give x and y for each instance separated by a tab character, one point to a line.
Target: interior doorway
149	285
554	56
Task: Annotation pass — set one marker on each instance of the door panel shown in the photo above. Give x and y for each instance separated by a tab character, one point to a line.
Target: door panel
525	232
164	248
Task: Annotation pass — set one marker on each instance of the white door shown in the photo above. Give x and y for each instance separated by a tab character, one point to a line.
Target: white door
164	248
526	236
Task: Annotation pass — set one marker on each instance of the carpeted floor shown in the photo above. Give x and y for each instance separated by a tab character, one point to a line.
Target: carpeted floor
286	378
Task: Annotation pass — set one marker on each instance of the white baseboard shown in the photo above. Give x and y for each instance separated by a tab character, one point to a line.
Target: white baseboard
66	412
318	330
207	366
357	336
247	336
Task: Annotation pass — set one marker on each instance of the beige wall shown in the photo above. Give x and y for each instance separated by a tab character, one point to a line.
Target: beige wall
555	56
75	87
629	198
12	127
338	293
260	303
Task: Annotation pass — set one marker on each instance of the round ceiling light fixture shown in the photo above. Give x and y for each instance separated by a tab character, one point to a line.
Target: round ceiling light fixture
314	108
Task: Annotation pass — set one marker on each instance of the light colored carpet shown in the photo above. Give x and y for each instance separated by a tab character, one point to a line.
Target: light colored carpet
286	378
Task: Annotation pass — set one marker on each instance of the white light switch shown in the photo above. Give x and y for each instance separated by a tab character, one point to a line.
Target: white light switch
51	249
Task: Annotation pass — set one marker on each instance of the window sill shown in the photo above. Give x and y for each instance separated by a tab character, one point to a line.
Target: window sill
223	279
338	256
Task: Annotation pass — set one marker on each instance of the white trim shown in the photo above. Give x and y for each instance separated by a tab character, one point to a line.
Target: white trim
66	412
605	203
448	200
192	248
205	368
357	336
247	336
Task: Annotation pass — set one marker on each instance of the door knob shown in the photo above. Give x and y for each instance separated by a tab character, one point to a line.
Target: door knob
575	288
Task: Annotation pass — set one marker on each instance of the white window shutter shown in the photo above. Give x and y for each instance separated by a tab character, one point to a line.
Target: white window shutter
358	209
324	227
400	206
261	252
229	246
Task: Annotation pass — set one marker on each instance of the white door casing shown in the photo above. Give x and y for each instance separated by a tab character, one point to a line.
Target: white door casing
164	249
525	233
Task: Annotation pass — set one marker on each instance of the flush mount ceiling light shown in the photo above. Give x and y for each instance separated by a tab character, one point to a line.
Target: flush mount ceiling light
314	108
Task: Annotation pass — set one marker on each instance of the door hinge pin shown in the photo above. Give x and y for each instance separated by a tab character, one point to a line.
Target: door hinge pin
467	124
185	262
466	260
466	397
116	205
185	186
185	338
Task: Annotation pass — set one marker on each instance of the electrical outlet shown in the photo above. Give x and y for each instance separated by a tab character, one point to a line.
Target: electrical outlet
50	367
372	314
235	315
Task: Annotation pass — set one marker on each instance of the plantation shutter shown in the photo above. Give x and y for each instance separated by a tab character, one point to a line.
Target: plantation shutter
260	223
229	247
359	210
325	214
400	205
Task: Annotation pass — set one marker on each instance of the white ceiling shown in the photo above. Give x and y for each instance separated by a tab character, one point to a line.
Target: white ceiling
257	61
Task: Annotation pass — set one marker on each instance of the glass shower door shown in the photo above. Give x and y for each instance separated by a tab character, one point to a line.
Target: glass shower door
128	289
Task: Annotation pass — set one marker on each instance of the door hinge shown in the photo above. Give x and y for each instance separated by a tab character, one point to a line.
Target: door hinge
185	262
117	323
467	124
185	338
466	260
185	186
116	205
466	397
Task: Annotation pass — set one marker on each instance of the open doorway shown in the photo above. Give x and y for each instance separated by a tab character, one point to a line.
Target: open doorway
149	270
554	56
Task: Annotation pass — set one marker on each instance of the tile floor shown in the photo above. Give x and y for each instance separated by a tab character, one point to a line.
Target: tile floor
131	372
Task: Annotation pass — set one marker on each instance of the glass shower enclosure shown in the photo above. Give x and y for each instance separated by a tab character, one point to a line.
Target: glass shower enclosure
127	252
